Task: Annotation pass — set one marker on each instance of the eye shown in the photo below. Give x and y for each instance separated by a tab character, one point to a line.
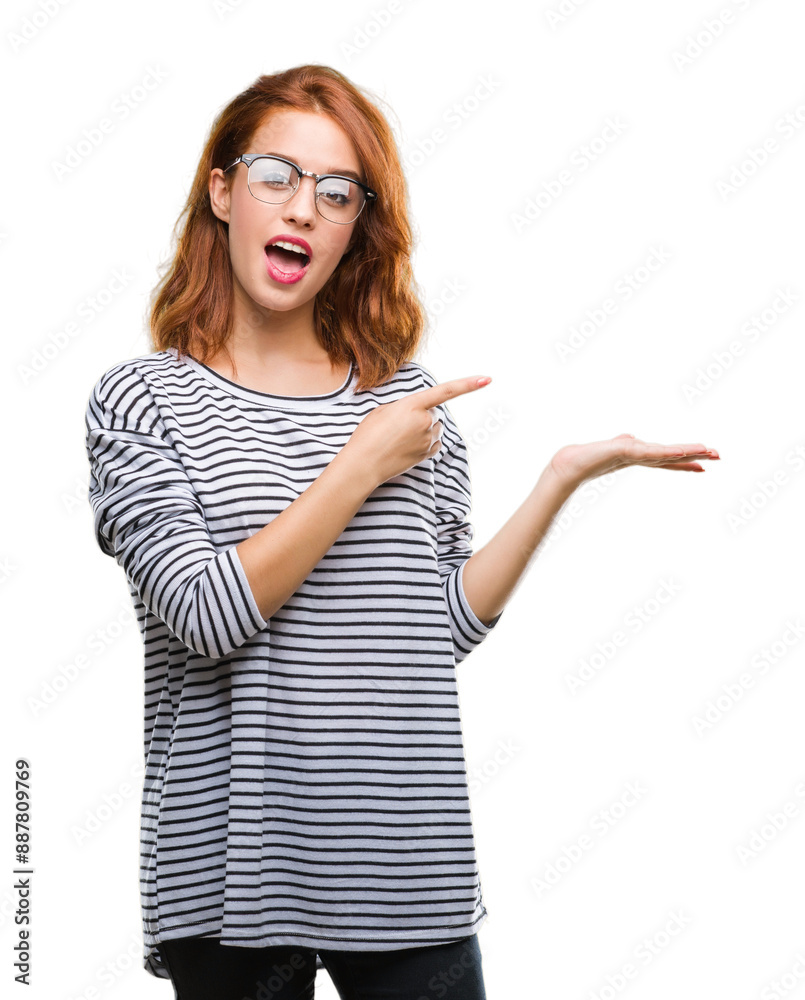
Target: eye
273	173
337	191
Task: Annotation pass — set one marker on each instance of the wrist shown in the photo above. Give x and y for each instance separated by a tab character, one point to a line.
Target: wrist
357	471
561	483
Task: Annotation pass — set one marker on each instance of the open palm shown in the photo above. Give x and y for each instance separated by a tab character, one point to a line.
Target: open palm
576	463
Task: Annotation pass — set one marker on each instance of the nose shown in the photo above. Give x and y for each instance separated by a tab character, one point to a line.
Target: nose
301	206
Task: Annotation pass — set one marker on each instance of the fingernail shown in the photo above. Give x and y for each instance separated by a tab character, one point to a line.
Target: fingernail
485	380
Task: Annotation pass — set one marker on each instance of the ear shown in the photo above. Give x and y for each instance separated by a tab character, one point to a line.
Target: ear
219	194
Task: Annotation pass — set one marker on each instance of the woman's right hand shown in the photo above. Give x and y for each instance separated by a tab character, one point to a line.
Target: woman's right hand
395	436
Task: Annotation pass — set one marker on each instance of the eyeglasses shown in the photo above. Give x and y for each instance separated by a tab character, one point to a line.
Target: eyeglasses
274	180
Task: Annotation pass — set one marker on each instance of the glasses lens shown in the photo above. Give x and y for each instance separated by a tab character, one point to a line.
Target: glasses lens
339	200
272	180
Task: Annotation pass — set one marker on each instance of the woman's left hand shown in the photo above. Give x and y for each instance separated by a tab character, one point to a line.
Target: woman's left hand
577	463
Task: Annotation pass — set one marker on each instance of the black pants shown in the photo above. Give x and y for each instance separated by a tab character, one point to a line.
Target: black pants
204	969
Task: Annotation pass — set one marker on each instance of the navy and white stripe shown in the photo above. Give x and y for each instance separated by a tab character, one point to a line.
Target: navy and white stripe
305	777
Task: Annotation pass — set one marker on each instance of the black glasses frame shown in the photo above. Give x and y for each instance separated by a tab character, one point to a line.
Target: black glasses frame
249	158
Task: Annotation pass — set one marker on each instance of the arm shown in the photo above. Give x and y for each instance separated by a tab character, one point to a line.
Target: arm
493	573
148	516
453	491
278	558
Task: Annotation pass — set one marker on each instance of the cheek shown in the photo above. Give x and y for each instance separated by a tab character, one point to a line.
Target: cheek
335	252
238	233
242	251
339	242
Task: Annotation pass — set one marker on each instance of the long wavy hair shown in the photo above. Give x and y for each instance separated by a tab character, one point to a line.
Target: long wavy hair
370	310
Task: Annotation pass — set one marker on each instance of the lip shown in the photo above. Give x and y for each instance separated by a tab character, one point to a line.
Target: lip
291	239
294	276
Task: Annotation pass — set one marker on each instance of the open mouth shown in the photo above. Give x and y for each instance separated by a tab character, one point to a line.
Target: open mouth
287	261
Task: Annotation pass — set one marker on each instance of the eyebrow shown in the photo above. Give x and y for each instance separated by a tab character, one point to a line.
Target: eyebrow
330	170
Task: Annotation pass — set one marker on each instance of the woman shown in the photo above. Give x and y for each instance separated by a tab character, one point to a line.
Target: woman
288	495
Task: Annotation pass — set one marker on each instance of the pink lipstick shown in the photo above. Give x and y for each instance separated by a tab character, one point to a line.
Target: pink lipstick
288	258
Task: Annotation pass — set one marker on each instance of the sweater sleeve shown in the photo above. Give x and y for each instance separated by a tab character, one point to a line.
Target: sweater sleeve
149	518
454	535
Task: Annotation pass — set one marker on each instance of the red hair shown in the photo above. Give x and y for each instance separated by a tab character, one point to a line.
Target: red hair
369	311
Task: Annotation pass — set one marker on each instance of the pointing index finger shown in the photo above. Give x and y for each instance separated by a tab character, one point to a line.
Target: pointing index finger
436	394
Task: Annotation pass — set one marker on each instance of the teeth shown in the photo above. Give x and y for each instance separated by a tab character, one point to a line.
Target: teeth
288	246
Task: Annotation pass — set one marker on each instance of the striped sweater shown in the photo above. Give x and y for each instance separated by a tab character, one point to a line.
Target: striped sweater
305	781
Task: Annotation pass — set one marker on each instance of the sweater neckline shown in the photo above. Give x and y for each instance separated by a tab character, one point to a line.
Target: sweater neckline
270	399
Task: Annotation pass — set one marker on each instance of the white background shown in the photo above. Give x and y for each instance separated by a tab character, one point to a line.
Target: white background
519	95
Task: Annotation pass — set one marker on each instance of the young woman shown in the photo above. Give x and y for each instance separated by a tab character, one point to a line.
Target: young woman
288	495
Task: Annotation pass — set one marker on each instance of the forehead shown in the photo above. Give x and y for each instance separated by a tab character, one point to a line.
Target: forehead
315	141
